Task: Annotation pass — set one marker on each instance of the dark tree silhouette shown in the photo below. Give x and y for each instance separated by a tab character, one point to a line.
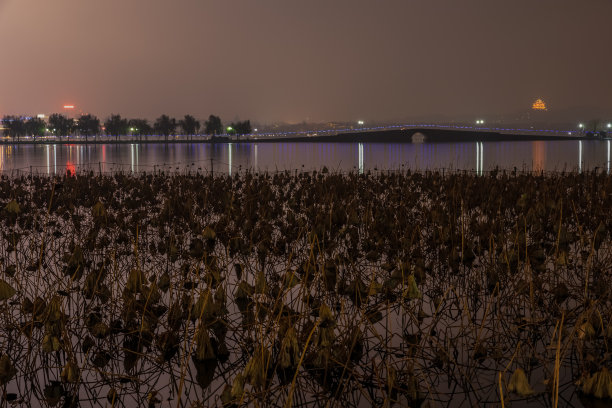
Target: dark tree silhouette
35	127
115	125
140	127
189	125
164	125
14	126
60	125
88	125
213	126
241	128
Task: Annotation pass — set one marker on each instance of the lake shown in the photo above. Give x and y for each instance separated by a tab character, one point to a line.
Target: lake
570	155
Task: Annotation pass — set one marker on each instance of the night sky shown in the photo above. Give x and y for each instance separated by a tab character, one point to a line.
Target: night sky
294	61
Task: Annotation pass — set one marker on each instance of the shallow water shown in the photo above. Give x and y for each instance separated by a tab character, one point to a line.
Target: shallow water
232	157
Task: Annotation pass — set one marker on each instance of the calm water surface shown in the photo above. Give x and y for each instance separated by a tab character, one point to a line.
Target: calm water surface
232	157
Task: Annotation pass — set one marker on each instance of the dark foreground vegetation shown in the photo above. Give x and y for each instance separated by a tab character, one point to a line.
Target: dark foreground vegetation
306	289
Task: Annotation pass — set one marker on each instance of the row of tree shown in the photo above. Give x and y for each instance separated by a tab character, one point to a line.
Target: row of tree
89	125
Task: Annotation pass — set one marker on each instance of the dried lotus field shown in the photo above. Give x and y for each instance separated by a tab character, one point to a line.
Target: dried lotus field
306	289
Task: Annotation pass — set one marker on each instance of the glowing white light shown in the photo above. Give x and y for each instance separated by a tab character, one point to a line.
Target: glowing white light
256	156
580	156
479	158
608	157
360	122
609	125
40	116
581	126
360	148
229	156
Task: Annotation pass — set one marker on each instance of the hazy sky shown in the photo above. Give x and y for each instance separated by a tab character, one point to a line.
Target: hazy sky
295	60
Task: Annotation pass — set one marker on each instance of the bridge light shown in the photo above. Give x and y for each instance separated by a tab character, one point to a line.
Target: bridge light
581	125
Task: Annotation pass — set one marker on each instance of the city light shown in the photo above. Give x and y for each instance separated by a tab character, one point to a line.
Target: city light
480	122
360	122
229	128
609	125
68	106
581	125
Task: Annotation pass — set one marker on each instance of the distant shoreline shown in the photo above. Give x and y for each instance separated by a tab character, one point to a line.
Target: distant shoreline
424	135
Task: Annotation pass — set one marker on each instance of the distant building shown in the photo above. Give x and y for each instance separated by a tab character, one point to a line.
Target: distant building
539	105
538	115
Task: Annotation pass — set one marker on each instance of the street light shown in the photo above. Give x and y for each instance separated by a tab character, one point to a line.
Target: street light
581	125
360	122
609	125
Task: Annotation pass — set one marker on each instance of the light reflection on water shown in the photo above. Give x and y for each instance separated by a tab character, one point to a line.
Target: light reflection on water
344	157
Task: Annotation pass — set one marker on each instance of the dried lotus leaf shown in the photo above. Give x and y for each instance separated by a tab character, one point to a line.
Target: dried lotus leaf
6	290
520	384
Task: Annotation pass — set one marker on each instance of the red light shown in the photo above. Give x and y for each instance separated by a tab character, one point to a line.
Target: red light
70	169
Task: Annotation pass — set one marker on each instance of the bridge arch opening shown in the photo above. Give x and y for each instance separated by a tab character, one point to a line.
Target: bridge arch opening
418	137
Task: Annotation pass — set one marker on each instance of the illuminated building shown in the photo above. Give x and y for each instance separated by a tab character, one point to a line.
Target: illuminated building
539	105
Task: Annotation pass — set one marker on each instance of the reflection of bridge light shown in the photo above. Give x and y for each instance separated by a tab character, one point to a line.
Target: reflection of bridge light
132	155
360	148
479	158
48	164
580	156
54	159
608	157
256	155
229	155
1	157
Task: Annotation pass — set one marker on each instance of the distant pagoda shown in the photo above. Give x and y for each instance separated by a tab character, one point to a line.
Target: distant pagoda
539	105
